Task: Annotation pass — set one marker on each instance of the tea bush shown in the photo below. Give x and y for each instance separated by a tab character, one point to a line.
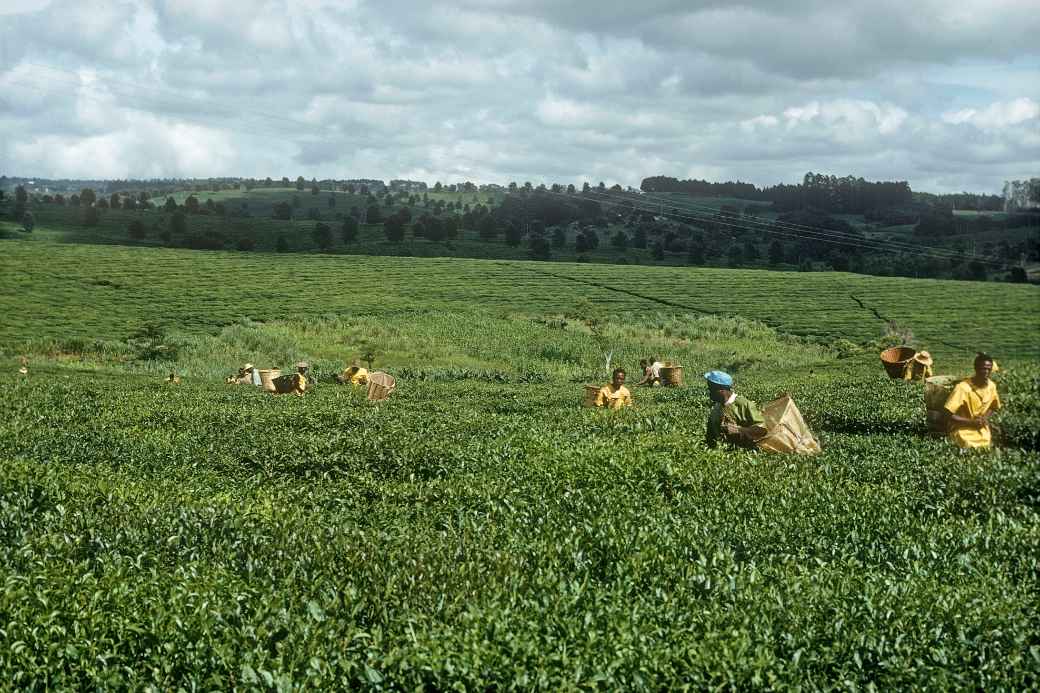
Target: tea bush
480	529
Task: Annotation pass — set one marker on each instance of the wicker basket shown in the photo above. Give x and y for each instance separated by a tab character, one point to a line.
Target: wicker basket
895	359
671	376
937	390
267	376
591	392
380	386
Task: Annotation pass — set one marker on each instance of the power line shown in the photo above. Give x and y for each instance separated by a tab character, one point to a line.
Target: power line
805	233
773	226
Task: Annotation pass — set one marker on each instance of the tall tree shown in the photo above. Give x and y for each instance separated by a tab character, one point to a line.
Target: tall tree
350	229
322	235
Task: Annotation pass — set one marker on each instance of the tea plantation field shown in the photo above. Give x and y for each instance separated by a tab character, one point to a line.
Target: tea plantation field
481	529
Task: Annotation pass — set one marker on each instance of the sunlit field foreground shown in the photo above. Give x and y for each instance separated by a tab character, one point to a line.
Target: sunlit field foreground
481	529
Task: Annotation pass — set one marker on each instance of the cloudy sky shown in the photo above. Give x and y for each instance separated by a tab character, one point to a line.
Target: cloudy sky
943	94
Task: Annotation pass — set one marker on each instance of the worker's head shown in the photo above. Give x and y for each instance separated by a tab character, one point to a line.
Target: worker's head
302	367
618	378
720	385
983	367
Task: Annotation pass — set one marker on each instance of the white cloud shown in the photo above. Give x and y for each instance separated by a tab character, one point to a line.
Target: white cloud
998	115
523	89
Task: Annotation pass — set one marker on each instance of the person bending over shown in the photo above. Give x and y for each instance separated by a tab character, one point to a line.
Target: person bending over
734	419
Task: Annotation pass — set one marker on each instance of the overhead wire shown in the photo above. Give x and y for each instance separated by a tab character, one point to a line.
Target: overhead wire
802	233
773	226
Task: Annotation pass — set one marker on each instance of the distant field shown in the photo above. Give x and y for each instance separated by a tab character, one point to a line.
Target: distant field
57	290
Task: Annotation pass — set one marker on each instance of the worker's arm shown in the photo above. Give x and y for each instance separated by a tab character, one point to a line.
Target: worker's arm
748	434
977	422
752	424
955	403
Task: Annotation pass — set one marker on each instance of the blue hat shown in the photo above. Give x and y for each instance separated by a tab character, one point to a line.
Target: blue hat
719	378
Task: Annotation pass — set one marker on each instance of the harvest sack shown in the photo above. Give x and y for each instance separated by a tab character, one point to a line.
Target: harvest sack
380	385
787	431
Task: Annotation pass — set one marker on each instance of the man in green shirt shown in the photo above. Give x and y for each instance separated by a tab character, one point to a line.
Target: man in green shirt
734	419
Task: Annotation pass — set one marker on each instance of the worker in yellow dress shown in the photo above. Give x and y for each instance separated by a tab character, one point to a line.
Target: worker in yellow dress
355	375
299	379
919	367
970	405
614	395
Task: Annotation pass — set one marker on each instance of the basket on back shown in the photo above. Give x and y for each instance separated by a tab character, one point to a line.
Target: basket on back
895	359
591	392
937	390
380	386
267	378
787	430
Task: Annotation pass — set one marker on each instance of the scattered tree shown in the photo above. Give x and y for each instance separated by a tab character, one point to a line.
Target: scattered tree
559	238
90	216
394	227
179	224
350	229
514	235
322	235
620	240
282	210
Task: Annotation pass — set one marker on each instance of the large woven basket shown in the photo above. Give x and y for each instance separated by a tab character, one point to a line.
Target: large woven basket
937	390
895	359
267	377
380	386
671	376
591	391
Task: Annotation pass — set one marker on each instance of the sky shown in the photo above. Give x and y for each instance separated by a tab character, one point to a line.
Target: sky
943	94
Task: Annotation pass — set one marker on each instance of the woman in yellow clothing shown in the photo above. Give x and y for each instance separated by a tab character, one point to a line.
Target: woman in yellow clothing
970	405
919	367
355	375
614	395
299	379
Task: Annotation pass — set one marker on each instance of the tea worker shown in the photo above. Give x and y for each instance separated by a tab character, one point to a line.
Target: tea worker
651	372
970	405
614	395
173	379
355	375
734	419
24	366
919	367
299	379
247	375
